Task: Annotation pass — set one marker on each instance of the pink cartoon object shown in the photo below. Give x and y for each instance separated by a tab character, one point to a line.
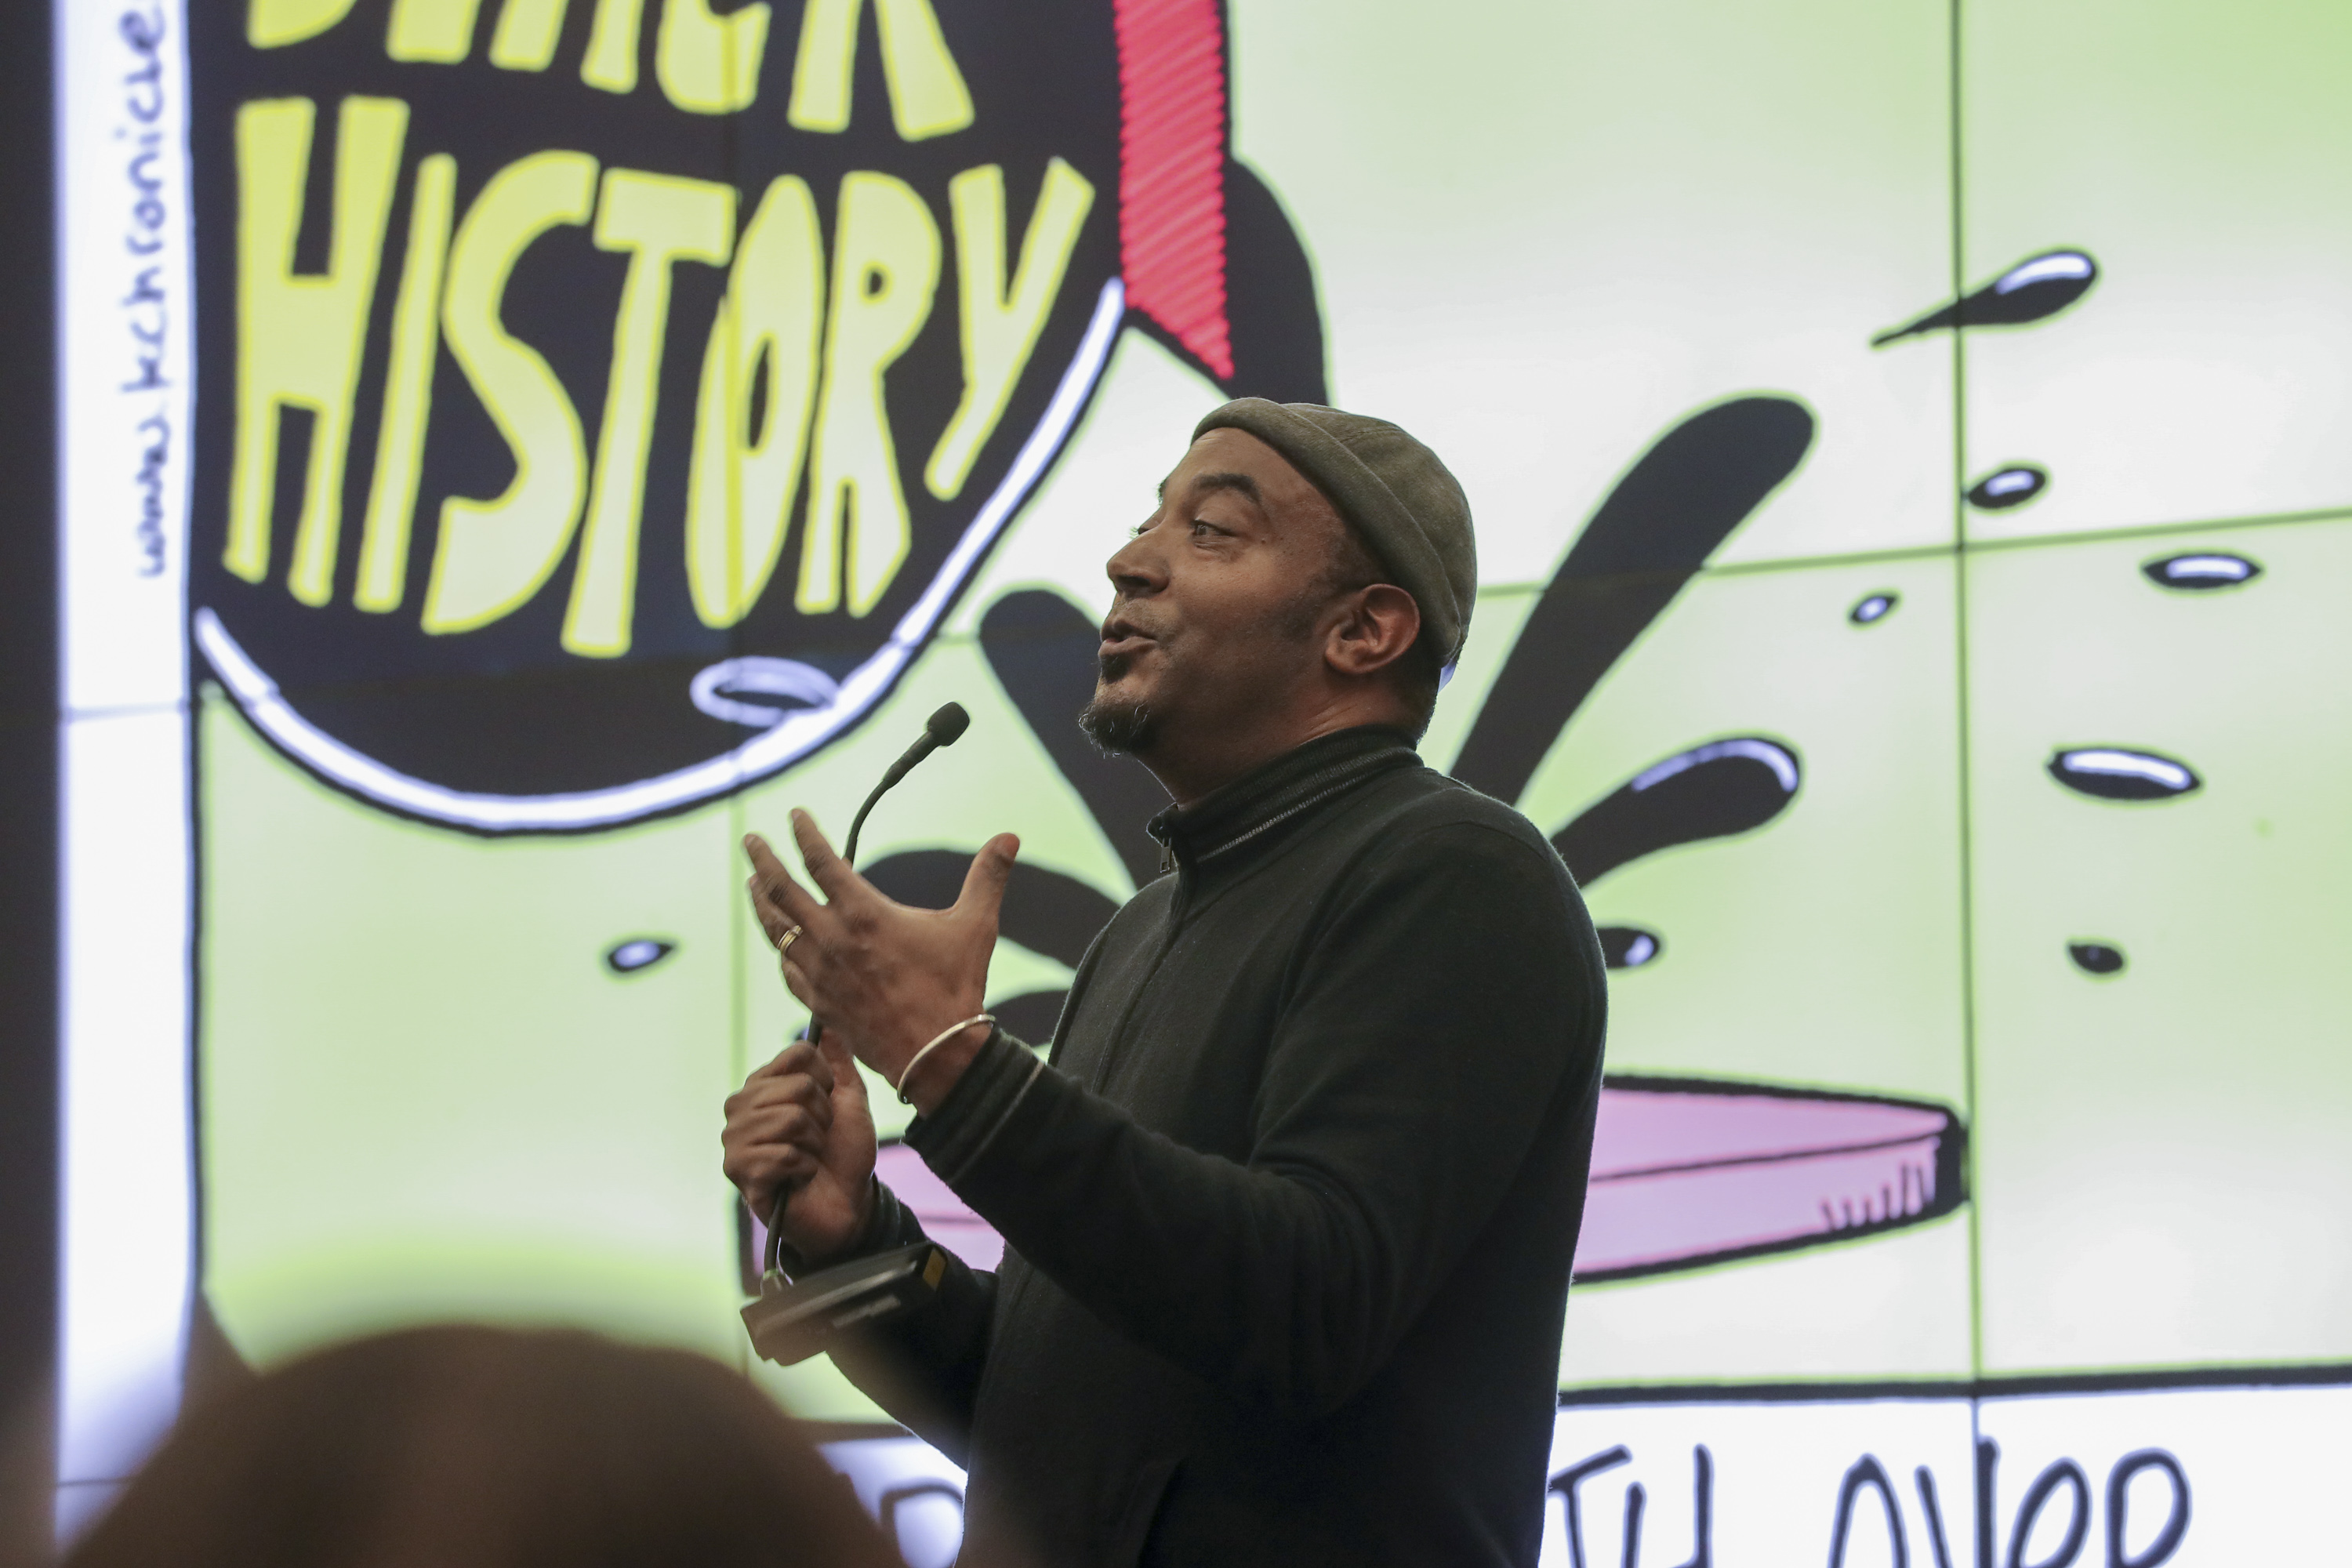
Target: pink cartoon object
1685	1171
944	1217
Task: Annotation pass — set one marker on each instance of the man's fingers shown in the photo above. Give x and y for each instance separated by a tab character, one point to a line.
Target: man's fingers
773	1110
774	1126
763	1167
838	1056
767	917
773	886
767	1180
803	1059
773	922
764	859
788	1169
796	981
768	1114
826	869
820	1065
800	1057
983	884
798	1127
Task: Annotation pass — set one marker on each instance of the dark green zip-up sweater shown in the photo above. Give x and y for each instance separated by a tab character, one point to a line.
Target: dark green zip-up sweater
1291	1210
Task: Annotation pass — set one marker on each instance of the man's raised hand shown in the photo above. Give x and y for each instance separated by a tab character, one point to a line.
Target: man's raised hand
885	977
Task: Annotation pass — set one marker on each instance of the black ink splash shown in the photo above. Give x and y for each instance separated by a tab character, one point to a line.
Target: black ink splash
1876	608
1277	332
2115	772
1708	792
2095	957
2034	290
637	953
2201	572
1628	947
2009	487
1659	525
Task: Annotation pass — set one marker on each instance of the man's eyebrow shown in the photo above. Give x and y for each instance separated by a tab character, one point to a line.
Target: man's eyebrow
1242	483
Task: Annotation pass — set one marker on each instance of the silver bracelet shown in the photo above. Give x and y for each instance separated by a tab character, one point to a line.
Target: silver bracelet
949	1033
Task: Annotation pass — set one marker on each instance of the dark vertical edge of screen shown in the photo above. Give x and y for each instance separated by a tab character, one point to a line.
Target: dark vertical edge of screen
28	788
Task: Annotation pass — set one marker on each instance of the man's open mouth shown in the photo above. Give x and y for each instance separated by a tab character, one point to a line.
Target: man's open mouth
1121	638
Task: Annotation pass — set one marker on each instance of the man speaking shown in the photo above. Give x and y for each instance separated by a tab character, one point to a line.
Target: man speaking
1290	1208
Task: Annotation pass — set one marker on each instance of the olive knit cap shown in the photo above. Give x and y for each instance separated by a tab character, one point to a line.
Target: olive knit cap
1391	489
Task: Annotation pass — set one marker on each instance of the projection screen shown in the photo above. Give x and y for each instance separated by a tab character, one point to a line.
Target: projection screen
513	448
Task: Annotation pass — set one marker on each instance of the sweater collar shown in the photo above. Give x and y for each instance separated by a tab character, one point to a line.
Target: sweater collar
1247	810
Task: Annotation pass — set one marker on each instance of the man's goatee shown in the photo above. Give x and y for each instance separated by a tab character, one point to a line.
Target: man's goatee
1116	726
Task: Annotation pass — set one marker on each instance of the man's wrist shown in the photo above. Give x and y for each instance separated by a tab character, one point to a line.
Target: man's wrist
930	1077
861	1231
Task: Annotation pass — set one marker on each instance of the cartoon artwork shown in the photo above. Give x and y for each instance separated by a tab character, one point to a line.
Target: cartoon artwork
1908	447
591	437
749	562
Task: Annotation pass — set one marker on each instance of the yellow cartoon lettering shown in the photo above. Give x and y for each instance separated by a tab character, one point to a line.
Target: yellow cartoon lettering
1001	325
928	96
299	337
612	60
274	24
709	64
493	555
408	390
886	267
659	220
739	491
526	35
435	30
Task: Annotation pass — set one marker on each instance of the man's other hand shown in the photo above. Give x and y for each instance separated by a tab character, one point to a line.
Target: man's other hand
885	977
800	1128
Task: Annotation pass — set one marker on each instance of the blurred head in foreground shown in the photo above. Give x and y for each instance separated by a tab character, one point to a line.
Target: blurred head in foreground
472	1447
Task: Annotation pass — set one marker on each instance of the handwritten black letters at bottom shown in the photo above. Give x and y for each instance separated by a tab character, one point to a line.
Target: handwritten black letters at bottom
2062	1484
1702	1506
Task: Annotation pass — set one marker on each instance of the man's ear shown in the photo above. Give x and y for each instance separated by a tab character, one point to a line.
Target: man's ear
1376	629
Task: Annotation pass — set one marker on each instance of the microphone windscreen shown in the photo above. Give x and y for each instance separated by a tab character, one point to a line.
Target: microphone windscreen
947	726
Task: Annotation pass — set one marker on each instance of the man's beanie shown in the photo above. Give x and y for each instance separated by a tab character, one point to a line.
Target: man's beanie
1391	489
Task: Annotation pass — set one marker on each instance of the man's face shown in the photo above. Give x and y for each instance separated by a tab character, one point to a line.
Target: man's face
1217	593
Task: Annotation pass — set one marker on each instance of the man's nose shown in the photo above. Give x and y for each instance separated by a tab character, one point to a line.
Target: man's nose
1137	567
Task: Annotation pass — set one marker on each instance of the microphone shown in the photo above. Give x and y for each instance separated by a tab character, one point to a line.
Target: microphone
944	728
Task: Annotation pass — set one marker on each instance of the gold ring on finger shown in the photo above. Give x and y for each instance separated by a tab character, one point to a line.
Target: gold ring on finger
785	942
